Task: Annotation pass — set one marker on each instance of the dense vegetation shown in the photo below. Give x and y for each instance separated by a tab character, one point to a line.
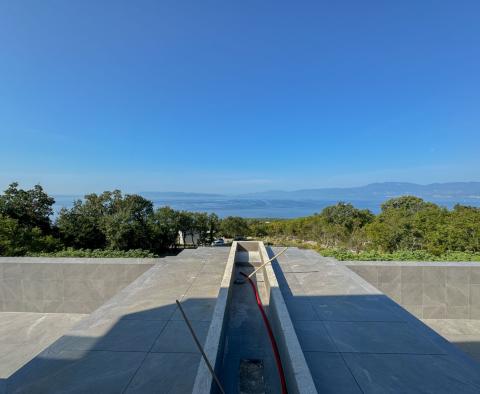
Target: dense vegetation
407	228
118	225
109	224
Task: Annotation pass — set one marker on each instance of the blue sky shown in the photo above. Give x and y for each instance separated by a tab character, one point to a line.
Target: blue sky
221	96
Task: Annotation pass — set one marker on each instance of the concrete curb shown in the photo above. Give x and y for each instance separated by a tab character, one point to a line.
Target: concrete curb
299	378
214	341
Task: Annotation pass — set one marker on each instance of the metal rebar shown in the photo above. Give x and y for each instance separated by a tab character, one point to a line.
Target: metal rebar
197	342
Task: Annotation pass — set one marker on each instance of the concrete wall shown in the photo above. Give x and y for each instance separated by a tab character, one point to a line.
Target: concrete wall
428	290
62	287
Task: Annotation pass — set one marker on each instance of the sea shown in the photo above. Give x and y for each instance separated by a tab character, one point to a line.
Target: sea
254	208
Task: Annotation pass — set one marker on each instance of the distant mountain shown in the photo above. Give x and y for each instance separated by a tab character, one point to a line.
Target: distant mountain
458	191
180	195
289	204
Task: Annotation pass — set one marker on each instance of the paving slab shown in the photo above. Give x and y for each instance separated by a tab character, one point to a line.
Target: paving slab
25	334
165	373
407	373
360	340
136	341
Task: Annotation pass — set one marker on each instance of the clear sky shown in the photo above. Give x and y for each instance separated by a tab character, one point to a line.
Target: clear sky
224	96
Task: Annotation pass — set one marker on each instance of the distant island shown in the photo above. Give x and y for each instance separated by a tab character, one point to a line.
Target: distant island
373	191
296	203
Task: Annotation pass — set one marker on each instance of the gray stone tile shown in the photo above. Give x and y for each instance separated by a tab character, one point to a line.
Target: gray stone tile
313	336
392	289
412	294
123	335
435	312
300	309
176	338
475	275
356	308
458	275
76	372
203	291
379	337
330	373
474	312
434	295
167	373
389	274
475	295
11	289
412	274
416	310
12	271
32	289
196	309
457	294
457	312
435	275
369	273
402	373
140	309
53	290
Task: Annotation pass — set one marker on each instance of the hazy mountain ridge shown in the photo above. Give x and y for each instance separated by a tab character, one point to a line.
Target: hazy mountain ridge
281	203
380	191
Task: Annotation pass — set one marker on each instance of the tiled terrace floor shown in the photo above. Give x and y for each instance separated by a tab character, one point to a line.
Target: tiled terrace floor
137	341
356	339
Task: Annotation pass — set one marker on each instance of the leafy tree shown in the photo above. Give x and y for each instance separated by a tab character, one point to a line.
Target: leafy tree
83	226
31	208
234	226
397	226
347	216
164	227
17	240
258	228
128	227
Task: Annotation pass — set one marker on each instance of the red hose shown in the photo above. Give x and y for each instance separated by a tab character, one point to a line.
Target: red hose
273	342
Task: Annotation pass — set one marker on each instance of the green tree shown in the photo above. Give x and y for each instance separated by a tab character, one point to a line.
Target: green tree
128	227
18	240
234	226
164	228
396	227
83	225
31	208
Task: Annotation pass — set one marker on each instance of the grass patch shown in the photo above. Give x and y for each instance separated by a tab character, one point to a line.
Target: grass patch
404	255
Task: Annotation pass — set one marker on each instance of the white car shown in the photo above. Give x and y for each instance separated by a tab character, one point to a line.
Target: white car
218	242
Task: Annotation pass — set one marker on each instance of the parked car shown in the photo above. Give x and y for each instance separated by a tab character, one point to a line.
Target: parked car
218	242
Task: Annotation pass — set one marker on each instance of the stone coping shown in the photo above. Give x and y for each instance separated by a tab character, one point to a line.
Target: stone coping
414	263
79	260
298	376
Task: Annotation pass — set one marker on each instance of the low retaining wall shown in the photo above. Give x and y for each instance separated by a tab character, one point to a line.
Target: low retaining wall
62	285
429	290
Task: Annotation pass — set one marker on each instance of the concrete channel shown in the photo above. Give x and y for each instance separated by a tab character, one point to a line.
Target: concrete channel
238	343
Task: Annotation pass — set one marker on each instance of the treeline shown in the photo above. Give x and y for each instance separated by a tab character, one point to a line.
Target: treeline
112	221
404	224
108	221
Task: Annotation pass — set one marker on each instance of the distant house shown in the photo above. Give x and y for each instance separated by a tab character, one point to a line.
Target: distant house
188	239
